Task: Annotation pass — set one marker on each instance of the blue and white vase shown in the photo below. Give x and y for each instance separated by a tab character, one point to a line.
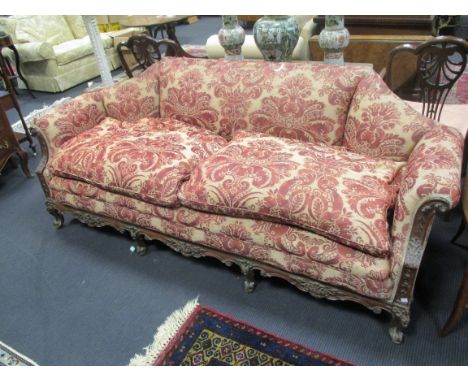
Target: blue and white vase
276	37
231	37
333	39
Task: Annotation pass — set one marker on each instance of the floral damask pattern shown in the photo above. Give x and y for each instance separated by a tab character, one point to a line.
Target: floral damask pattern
147	160
433	173
313	208
71	119
295	100
340	195
134	98
310	254
382	125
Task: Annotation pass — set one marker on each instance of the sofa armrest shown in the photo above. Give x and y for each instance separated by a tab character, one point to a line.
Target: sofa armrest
433	171
32	52
128	100
69	119
430	183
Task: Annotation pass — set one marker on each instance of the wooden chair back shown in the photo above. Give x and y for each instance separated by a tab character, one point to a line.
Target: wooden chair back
439	64
146	50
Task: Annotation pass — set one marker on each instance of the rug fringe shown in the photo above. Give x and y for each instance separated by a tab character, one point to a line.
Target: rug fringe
164	335
20	355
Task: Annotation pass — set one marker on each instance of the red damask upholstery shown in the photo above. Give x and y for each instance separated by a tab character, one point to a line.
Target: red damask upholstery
147	160
304	101
433	173
318	155
135	98
382	125
295	250
71	119
341	195
129	101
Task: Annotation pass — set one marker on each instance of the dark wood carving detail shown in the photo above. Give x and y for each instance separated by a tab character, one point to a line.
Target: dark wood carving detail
146	51
440	62
399	308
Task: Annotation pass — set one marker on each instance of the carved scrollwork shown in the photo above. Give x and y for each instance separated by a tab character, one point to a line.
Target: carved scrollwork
420	231
92	220
184	248
400	312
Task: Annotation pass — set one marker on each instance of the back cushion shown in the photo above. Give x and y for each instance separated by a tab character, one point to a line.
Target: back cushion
382	125
51	29
76	25
296	100
135	98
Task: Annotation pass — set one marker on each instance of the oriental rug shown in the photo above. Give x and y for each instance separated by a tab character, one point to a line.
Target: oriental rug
199	336
11	357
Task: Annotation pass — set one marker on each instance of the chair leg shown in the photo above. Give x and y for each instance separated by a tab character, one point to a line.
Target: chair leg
461	303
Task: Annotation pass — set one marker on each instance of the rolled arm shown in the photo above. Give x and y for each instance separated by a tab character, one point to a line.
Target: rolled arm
69	119
430	183
128	100
34	51
433	171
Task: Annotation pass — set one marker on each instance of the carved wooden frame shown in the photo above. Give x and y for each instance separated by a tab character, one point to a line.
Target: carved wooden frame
398	307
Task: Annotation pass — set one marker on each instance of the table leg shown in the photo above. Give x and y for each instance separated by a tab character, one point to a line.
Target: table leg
18	69
23	156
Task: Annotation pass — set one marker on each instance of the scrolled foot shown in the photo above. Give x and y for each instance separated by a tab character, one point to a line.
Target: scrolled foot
140	248
249	281
58	218
396	331
249	286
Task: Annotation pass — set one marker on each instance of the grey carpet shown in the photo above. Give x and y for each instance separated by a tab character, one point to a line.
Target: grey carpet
75	296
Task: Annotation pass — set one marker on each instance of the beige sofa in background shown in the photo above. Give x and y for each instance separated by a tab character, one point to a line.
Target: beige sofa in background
55	51
249	49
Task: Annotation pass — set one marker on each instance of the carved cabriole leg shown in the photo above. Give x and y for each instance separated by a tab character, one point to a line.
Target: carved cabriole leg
249	281
58	216
141	247
396	330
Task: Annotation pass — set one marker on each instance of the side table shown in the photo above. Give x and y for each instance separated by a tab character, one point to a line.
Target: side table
9	144
5	65
155	24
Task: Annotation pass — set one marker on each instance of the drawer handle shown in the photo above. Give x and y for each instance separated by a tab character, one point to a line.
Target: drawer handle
4	145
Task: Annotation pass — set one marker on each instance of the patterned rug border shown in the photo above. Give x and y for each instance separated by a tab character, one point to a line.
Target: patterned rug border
20	356
153	361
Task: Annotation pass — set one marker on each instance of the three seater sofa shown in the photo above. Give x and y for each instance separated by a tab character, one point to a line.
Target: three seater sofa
317	174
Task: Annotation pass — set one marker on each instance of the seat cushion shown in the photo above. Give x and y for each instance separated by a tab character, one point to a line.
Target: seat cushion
73	50
338	194
147	160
